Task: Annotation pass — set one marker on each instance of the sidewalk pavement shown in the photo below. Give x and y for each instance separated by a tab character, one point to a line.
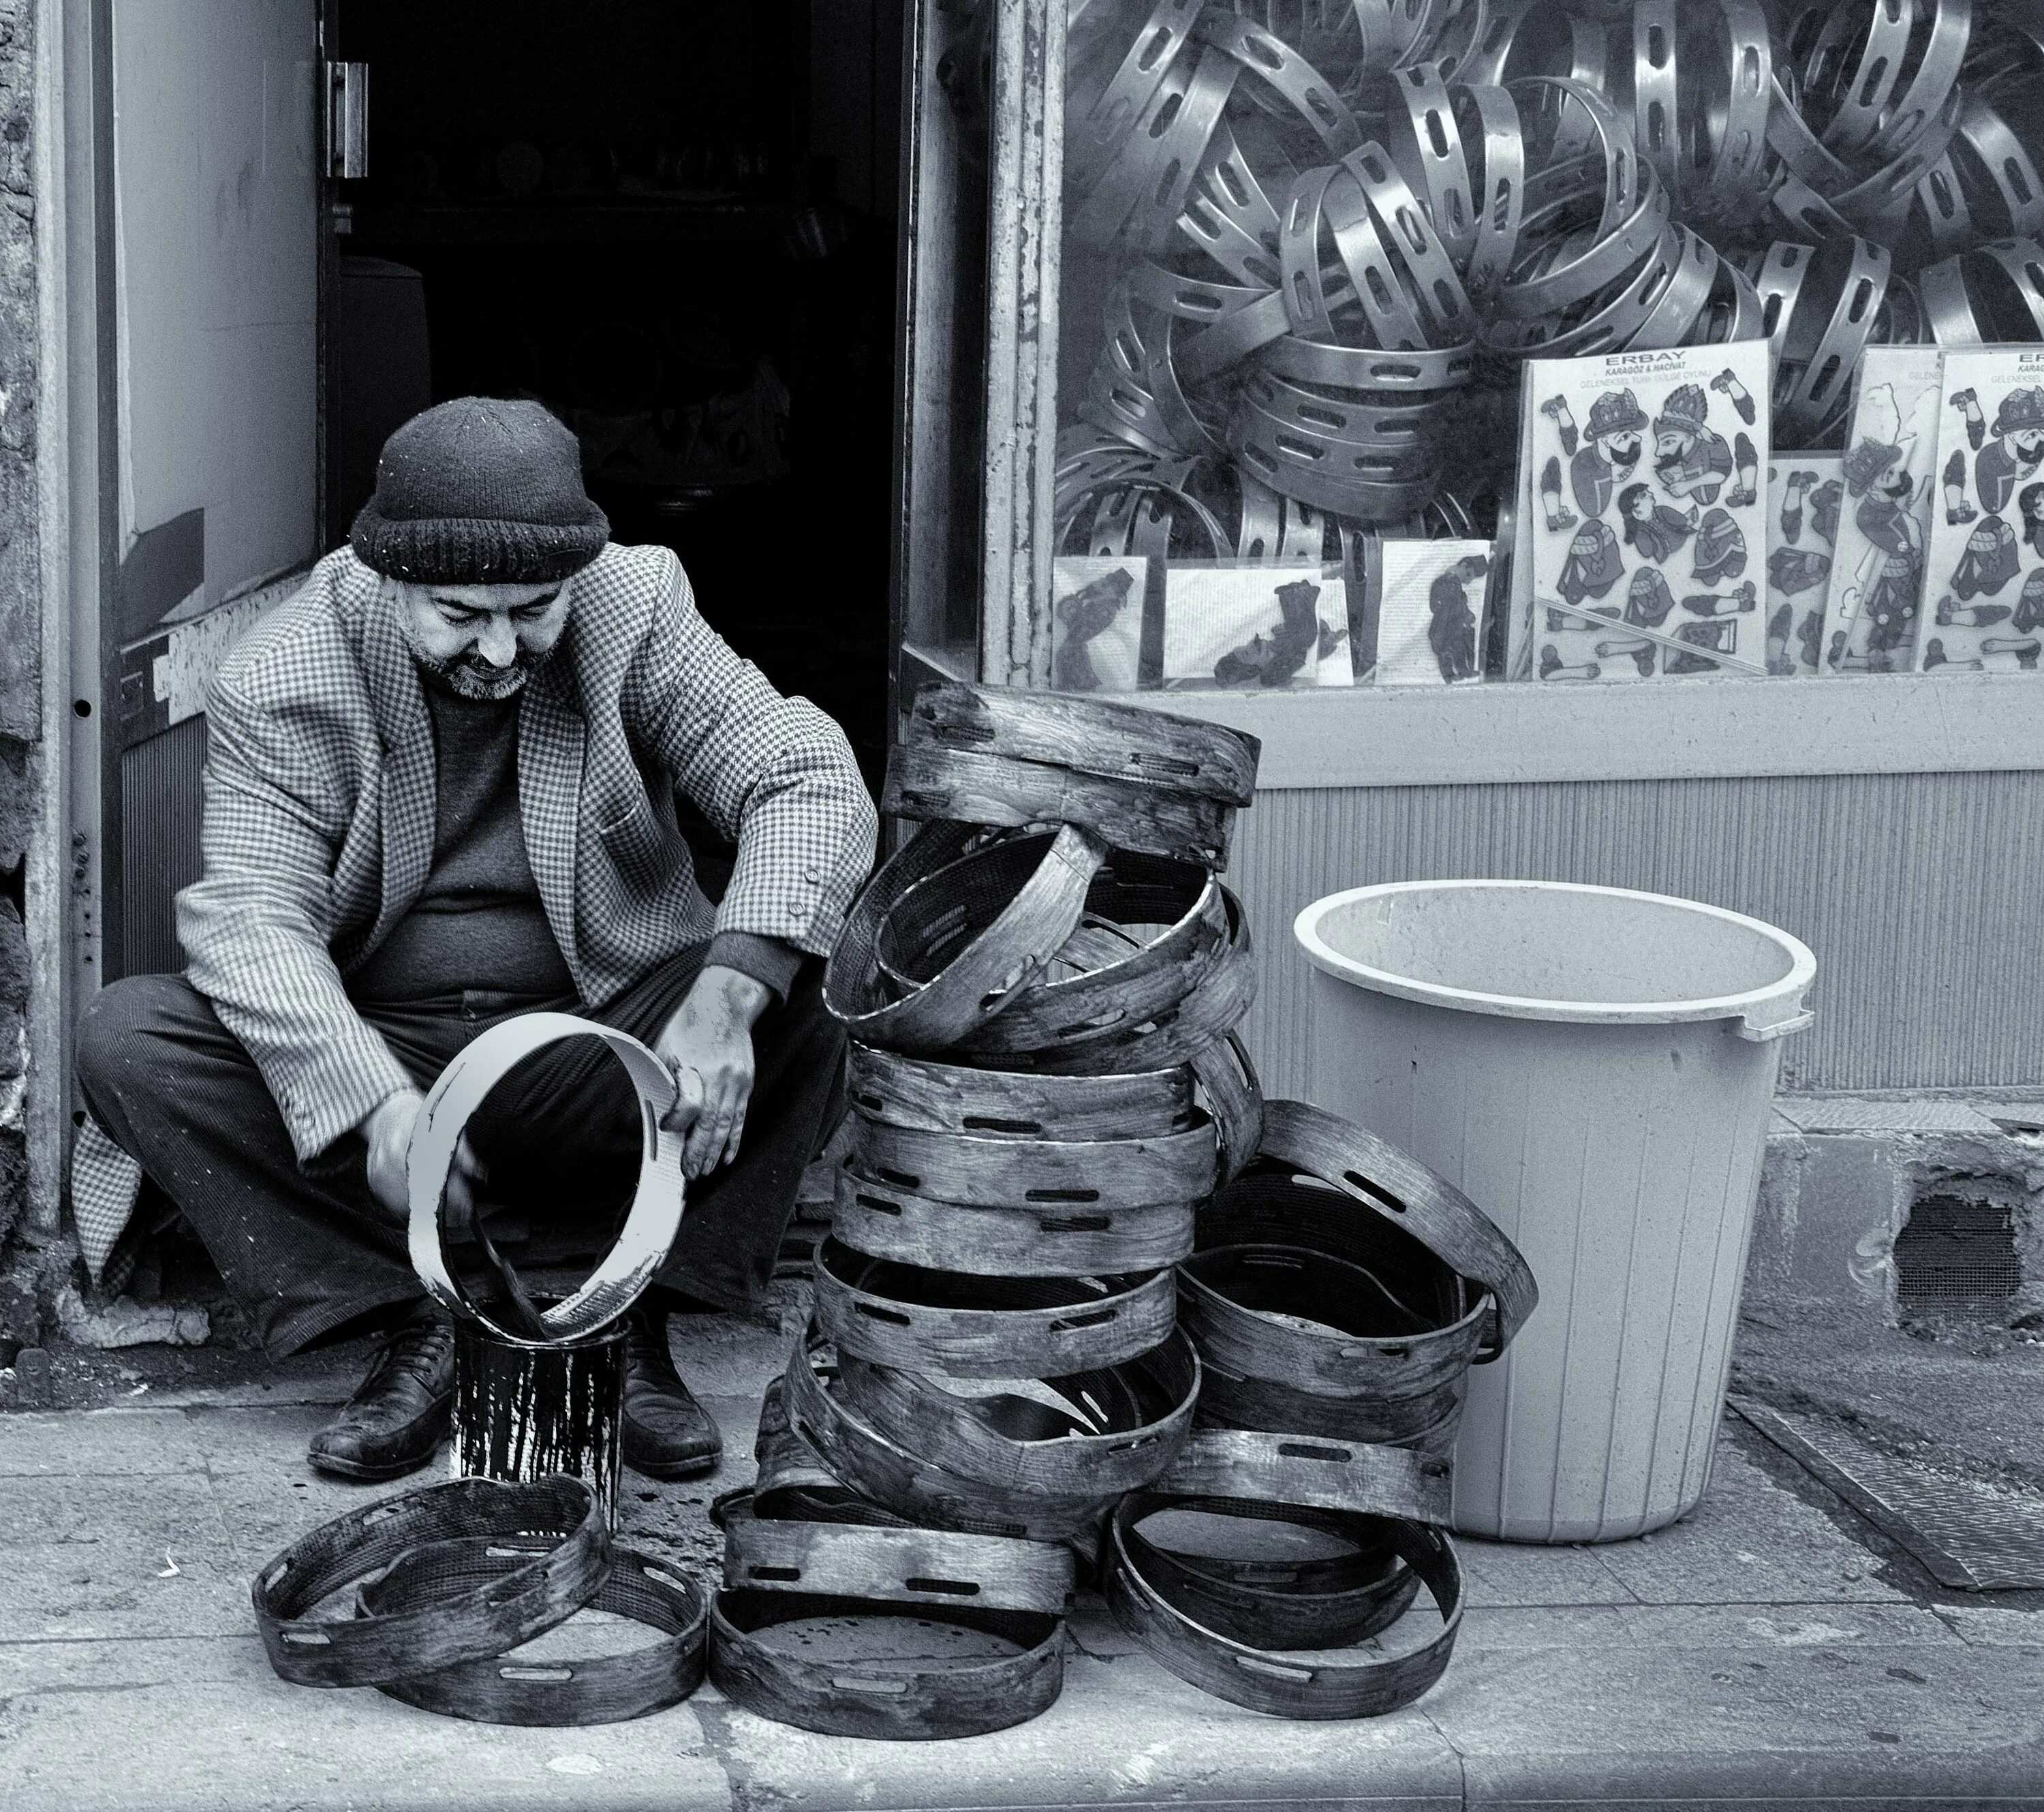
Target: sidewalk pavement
1772	1650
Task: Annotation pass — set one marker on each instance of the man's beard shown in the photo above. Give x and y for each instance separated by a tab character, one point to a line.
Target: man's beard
469	676
1898	487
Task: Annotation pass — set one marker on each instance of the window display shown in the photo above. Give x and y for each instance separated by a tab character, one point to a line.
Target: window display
1310	249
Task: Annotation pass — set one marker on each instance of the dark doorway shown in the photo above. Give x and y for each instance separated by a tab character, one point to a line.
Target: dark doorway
675	227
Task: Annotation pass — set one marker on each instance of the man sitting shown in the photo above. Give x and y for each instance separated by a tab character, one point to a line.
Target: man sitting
440	791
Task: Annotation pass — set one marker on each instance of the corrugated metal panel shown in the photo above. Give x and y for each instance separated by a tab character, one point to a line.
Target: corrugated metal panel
160	852
1923	895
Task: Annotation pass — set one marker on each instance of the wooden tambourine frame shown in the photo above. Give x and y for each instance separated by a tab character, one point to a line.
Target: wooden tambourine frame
655	1215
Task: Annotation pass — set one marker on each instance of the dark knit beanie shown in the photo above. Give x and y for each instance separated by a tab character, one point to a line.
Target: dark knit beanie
480	491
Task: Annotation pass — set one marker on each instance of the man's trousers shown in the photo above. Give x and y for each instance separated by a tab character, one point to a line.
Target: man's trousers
306	1250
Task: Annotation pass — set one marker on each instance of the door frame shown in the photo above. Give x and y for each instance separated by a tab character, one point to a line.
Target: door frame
75	474
72	882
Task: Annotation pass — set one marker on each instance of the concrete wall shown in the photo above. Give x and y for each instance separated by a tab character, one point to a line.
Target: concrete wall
21	725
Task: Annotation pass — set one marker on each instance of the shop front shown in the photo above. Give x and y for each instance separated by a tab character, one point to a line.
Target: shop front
1078	511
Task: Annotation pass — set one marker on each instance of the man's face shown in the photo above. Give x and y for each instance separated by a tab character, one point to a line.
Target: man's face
1672	445
482	641
1895	482
1623	449
2028	446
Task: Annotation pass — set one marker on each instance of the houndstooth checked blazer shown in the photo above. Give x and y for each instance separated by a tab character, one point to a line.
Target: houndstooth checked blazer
320	787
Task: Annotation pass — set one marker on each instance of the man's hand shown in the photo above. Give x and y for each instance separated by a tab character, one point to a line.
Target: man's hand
387	1132
707	1045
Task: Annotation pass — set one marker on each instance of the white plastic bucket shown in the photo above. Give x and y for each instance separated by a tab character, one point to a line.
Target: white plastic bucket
1594	1068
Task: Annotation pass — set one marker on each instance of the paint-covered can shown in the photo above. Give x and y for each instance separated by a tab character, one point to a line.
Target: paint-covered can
523	1410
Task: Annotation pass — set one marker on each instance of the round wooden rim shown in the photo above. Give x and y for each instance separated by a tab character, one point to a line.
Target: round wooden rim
875	1468
1264	1467
984	977
1321	1604
1177	1035
885	1222
649	1226
1286	1685
1075	1175
1117	742
931	781
914	1413
1069	1327
546	1589
849	1698
1407	1194
1014	1104
1264	1344
1146	979
605	1689
938	1568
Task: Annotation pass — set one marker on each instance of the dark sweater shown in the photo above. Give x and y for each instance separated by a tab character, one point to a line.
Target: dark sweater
478	922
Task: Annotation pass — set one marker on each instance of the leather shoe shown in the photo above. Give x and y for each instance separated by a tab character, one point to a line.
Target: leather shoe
394	1423
667	1433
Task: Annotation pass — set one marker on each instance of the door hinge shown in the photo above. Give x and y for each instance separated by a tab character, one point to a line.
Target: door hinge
346	86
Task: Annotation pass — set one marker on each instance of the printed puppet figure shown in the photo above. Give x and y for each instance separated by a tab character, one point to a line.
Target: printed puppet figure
2008	453
1656	531
1811	637
1736	602
1274	659
1727	383
1648	601
1557	410
1087	613
1877	475
1720	548
1594	565
1558	514
1796	566
1952	616
1691	460
2025	648
2029	506
1616	434
1780	631
1793	568
1721	637
1990	561
2029	606
1451	628
1552	666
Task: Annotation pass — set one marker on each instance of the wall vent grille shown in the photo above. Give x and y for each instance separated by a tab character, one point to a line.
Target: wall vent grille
1956	1257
